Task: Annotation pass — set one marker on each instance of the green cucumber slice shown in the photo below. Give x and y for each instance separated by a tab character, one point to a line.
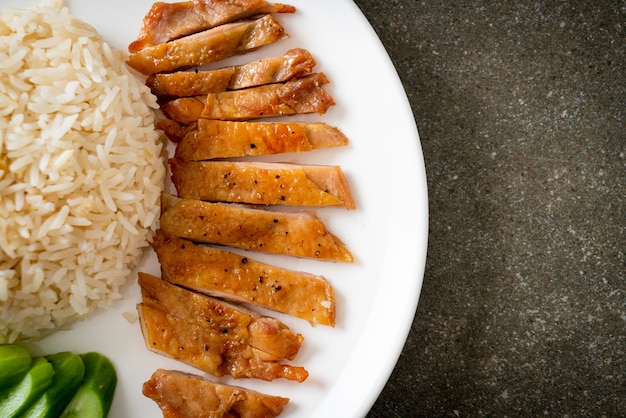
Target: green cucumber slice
69	371
17	399
95	396
15	361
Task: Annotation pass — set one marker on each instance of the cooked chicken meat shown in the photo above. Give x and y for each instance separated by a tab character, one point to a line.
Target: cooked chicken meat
294	63
183	395
235	322
261	183
167	21
211	351
300	95
209	139
230	276
299	234
208	46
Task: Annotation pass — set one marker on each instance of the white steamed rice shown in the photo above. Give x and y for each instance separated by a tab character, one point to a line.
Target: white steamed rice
81	171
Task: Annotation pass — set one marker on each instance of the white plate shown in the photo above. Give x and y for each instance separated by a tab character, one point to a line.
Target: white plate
377	296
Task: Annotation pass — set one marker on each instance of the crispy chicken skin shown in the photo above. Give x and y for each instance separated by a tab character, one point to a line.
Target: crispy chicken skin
213	352
167	21
294	63
266	334
301	95
299	234
212	139
184	395
208	46
261	183
230	276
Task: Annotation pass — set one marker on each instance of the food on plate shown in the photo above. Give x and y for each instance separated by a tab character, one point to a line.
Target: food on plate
167	21
175	131
234	322
261	183
15	361
181	395
210	139
69	372
301	95
95	395
63	384
294	63
19	397
230	276
210	350
207	46
300	234
81	171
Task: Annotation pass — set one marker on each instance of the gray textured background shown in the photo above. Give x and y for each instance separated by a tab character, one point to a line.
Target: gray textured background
521	109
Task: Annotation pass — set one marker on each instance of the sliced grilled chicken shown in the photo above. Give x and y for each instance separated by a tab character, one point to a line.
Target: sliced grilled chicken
261	183
294	63
299	234
184	395
300	95
224	139
261	332
211	351
230	276
206	47
167	21
175	131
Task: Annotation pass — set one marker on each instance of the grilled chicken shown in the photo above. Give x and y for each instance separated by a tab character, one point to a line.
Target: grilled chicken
261	183
183	395
230	276
213	352
223	139
175	131
300	95
294	63
167	21
299	234
266	334
208	46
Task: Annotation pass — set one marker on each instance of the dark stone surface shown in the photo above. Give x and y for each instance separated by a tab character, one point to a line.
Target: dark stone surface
521	109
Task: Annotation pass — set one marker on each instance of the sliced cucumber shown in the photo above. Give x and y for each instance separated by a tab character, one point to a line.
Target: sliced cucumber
15	361
17	399
69	371
94	397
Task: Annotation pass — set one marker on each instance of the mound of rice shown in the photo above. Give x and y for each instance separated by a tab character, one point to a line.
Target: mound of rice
81	171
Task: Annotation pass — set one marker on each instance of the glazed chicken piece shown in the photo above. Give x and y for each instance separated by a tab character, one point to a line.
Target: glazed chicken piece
214	352
294	63
263	333
184	395
209	46
299	234
300	95
175	131
261	183
224	139
230	276
167	21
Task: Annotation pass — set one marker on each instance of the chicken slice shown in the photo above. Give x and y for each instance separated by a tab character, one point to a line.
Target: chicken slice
214	352
261	183
230	276
300	95
208	46
266	334
294	63
184	395
224	139
299	234
167	21
175	131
